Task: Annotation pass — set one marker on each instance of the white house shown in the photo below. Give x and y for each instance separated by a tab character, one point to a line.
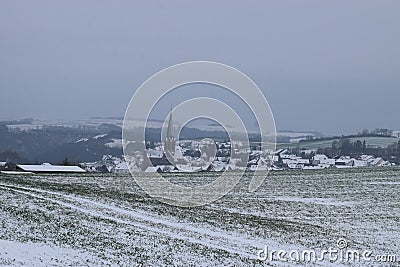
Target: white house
121	168
323	160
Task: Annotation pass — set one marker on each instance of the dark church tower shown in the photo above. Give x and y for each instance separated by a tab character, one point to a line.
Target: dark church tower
169	143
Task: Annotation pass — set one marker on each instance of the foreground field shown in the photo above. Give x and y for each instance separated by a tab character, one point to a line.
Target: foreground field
108	220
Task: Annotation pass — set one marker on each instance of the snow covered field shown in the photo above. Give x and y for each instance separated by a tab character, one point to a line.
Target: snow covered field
95	219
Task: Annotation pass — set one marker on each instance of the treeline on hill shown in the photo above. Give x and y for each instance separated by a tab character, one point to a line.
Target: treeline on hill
54	143
14	122
378	132
345	147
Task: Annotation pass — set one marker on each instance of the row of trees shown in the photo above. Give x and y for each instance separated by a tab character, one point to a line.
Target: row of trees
346	147
377	131
10	156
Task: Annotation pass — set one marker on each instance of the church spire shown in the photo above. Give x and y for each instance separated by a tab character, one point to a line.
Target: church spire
169	129
169	143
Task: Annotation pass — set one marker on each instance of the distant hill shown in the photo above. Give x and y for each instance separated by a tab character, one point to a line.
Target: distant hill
48	143
371	141
301	133
32	141
54	143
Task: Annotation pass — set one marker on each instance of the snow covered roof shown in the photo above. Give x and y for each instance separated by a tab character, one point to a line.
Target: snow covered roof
320	157
280	151
50	168
122	166
219	167
377	161
151	169
288	156
303	161
187	168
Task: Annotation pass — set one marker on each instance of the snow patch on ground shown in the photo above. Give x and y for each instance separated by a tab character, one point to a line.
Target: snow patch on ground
317	201
100	136
38	254
116	143
82	140
384	183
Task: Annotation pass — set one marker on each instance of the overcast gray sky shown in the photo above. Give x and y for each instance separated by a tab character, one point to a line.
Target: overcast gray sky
331	66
